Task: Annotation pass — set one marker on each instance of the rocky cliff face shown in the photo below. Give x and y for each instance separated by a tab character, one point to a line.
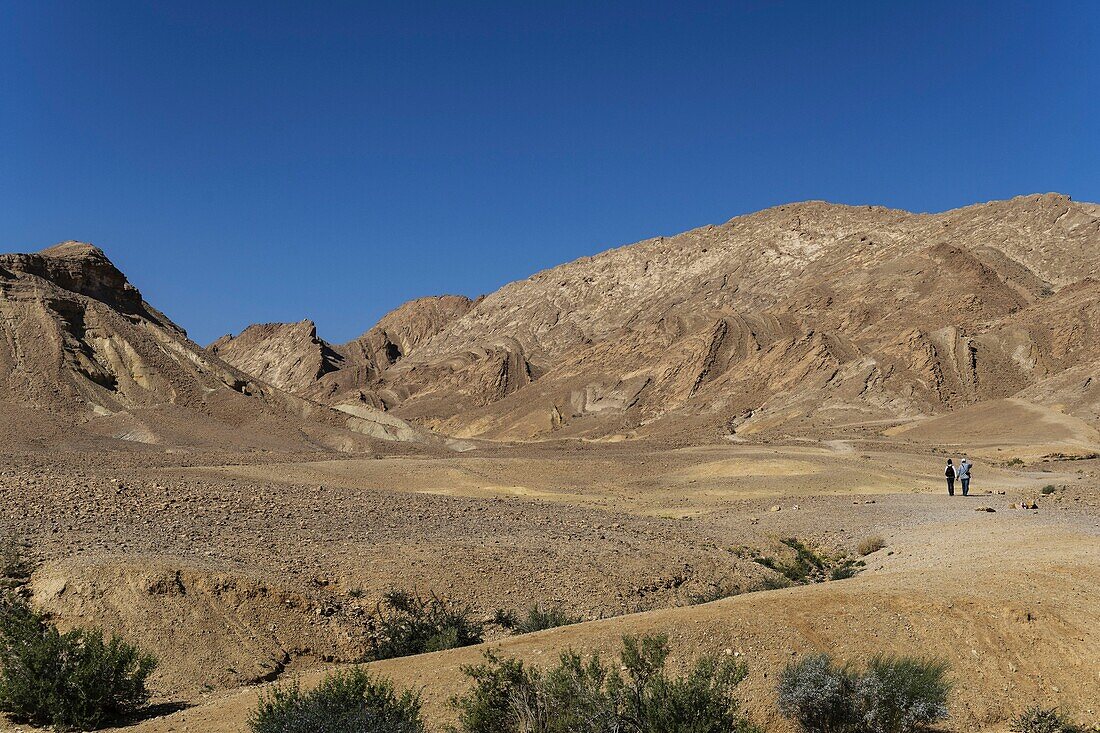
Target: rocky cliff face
287	355
291	355
796	318
82	352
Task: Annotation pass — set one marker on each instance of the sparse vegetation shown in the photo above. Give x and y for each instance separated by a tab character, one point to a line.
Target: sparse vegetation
537	618
714	592
806	566
801	568
893	695
406	623
845	570
15	568
1048	489
1038	719
774	582
79	680
592	697
1015	462
344	702
818	695
902	694
871	544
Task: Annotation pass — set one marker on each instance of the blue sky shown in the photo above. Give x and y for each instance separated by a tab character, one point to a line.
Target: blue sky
273	161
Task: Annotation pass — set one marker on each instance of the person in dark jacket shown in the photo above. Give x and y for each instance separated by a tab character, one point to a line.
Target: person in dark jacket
963	475
949	472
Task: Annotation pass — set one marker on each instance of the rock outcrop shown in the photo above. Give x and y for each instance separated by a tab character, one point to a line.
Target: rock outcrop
83	357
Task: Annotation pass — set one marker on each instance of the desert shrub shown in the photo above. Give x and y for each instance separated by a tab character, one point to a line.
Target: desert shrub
893	695
344	702
902	694
805	566
500	687
713	593
15	568
1048	489
806	562
1037	719
409	623
1016	462
537	618
701	701
580	697
843	572
76	680
818	695
574	696
504	618
771	583
870	544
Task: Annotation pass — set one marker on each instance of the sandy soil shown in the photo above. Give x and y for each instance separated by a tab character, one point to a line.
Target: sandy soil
261	566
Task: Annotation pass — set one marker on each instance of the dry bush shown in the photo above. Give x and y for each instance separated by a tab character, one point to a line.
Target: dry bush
870	544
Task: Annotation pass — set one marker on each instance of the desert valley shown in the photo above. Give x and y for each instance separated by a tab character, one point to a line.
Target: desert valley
735	436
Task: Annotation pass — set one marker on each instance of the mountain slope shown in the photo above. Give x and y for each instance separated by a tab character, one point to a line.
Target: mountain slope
80	348
797	318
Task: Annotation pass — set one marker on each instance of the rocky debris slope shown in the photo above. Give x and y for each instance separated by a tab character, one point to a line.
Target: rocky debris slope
793	319
80	348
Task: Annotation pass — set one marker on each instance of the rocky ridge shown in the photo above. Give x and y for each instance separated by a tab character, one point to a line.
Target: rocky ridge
85	359
794	319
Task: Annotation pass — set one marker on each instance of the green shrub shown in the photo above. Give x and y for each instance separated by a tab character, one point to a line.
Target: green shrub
771	583
579	697
805	566
537	618
700	701
500	686
344	702
818	695
408	623
573	696
843	572
902	694
1048	489
893	695
76	680
1037	719
870	544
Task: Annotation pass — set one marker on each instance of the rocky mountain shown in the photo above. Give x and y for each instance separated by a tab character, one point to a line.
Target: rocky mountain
798	318
287	355
83	357
291	356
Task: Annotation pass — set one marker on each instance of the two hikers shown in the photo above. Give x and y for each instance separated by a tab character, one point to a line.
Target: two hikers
962	473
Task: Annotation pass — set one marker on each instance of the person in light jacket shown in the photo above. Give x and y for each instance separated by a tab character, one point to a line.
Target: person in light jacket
949	472
963	474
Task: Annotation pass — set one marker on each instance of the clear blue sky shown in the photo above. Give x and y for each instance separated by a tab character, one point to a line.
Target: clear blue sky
272	161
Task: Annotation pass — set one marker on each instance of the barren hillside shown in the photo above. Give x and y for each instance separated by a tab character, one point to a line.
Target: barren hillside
792	320
86	360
